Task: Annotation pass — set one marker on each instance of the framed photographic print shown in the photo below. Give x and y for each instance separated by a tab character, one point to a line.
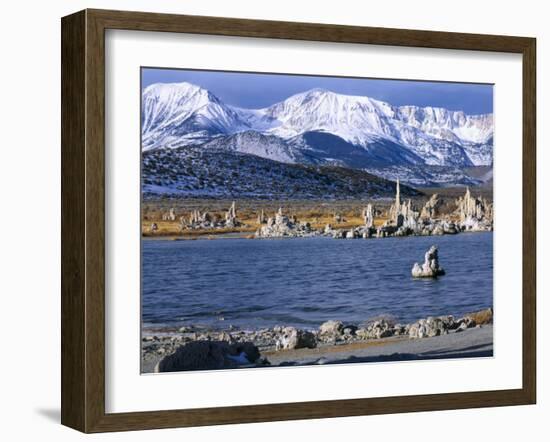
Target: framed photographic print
267	221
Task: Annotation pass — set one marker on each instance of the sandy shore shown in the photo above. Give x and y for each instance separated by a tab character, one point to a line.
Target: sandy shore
474	342
468	343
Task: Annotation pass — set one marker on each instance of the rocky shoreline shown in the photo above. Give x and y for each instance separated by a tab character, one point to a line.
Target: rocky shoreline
195	348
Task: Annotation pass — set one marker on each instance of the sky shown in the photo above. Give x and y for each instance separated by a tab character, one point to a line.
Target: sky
254	91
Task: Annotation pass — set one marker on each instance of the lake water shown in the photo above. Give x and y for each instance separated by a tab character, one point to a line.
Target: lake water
305	281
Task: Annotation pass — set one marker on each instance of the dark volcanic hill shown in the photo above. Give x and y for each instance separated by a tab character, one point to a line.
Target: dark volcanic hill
194	171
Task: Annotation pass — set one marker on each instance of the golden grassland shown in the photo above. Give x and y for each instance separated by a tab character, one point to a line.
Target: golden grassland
318	213
248	227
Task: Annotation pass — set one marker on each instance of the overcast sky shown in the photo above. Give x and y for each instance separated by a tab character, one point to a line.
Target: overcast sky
251	90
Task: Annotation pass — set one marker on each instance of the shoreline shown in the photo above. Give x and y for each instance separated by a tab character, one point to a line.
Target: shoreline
227	236
471	343
334	342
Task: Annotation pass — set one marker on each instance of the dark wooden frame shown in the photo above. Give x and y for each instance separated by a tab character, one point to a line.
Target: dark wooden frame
83	220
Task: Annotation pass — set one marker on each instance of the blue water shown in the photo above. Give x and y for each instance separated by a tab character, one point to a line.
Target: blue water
303	282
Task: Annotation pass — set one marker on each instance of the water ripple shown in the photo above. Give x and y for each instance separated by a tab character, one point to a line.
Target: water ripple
304	282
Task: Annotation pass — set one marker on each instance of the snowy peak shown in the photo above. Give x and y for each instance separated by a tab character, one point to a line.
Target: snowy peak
443	123
355	119
181	114
163	103
175	114
362	120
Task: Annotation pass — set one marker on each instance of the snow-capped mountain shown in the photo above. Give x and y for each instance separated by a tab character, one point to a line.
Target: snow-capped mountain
435	135
177	114
357	120
317	127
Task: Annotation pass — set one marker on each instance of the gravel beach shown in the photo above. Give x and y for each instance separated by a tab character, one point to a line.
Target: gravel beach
472	341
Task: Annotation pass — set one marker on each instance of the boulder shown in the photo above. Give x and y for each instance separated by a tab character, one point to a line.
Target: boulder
400	329
435	327
209	355
376	330
331	329
464	323
291	338
418	329
349	329
431	326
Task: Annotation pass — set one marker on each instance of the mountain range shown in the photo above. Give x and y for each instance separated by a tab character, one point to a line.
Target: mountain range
320	127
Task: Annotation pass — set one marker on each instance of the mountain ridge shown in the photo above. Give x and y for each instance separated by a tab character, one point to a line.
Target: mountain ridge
317	126
212	173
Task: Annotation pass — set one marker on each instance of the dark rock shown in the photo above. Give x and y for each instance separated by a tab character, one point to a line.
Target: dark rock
209	355
349	329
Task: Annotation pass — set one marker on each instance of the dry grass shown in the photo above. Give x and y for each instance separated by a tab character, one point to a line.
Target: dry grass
482	317
318	213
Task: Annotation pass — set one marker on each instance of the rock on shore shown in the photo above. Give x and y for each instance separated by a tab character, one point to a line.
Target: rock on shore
291	338
209	355
192	349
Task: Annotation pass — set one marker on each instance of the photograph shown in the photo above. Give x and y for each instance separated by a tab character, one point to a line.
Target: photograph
302	220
